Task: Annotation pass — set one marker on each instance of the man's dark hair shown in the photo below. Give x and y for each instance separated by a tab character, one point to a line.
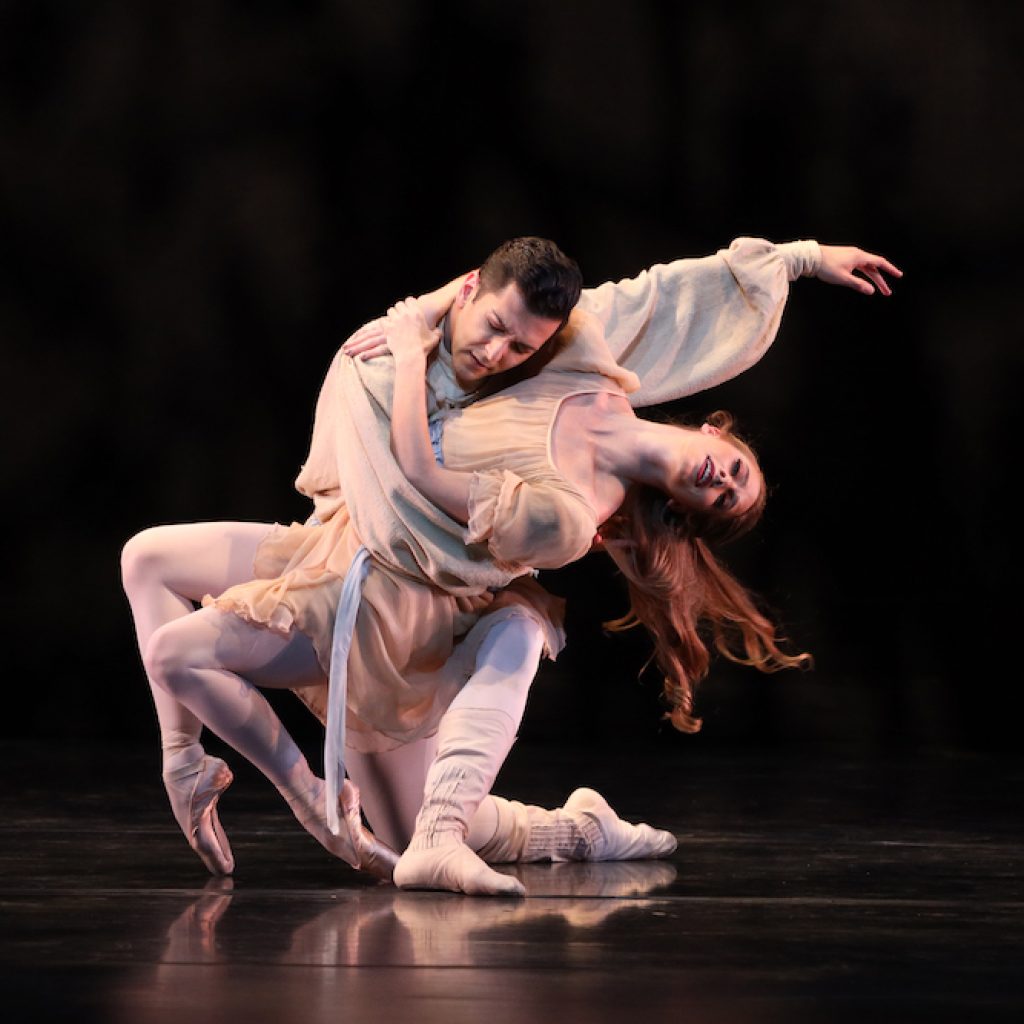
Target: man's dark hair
549	280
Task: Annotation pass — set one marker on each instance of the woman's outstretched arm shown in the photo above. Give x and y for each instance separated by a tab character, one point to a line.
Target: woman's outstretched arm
410	338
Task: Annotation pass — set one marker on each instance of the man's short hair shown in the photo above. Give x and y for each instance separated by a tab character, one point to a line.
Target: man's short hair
549	280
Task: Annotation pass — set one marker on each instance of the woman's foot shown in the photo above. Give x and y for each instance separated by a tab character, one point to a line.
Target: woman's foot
355	844
194	791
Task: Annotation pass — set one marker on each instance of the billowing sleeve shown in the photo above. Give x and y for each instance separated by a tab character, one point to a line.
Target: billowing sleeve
528	524
685	326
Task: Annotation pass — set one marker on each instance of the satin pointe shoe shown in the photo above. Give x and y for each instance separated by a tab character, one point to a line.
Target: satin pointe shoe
374	856
355	844
194	791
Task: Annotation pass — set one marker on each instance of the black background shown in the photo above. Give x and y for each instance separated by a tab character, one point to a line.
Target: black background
201	199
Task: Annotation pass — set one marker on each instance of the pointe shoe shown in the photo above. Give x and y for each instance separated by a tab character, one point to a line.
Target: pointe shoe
374	856
453	867
355	844
194	791
609	837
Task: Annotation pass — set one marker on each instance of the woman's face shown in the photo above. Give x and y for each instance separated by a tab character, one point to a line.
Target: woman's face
715	475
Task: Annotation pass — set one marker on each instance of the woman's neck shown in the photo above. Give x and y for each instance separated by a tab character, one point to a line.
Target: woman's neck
638	451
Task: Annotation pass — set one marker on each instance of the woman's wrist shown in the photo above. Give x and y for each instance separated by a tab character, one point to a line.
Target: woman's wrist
411	361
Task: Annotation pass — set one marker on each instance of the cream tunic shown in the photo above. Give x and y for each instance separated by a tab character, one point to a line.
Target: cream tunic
686	325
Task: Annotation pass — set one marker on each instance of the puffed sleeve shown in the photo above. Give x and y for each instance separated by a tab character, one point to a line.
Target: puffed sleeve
685	326
530	524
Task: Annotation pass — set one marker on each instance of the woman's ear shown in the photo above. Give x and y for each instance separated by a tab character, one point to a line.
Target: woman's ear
707	428
467	288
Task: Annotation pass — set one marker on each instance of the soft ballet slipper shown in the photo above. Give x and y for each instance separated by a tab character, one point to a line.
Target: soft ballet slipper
453	867
609	837
194	791
586	828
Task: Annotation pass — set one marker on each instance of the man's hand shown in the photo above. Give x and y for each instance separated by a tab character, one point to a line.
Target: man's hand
408	335
855	268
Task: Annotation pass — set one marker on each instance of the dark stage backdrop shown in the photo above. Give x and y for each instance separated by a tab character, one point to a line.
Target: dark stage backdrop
200	200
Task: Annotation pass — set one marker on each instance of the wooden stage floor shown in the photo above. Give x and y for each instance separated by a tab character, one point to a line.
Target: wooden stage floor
807	886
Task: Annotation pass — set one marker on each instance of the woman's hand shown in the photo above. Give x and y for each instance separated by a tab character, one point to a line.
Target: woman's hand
854	268
408	335
410	338
369	341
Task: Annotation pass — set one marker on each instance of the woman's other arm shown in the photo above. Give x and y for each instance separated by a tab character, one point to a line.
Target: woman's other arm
410	338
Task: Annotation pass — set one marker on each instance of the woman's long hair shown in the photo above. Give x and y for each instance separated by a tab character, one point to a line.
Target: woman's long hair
684	596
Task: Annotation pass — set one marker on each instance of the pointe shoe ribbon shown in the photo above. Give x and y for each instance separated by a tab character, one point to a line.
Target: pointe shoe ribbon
195	809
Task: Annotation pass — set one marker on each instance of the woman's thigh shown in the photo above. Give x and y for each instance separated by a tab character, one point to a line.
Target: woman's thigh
195	559
213	639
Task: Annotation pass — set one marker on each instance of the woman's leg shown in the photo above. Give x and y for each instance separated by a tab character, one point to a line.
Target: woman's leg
165	571
211	662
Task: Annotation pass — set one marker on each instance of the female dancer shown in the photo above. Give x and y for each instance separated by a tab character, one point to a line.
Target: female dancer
198	661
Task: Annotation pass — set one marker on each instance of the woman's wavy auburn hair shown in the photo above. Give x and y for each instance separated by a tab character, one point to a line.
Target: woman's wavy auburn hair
683	595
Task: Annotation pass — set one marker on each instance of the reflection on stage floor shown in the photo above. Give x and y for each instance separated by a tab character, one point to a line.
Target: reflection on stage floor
804	888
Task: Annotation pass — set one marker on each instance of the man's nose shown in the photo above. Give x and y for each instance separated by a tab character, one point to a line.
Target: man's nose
492	352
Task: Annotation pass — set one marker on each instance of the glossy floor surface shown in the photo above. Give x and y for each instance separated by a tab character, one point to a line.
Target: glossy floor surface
806	887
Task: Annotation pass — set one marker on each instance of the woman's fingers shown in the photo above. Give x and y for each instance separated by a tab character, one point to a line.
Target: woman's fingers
368	336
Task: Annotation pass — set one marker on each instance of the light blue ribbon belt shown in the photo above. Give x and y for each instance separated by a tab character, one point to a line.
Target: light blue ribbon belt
344	628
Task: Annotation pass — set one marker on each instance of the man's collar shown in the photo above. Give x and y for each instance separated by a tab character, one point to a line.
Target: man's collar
441	378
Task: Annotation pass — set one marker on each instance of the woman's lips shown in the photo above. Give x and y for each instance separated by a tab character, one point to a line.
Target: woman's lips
705	474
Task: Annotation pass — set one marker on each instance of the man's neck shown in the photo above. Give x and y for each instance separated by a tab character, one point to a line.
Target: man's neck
446	332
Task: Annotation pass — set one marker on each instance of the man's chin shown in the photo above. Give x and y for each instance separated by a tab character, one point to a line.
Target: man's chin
469	383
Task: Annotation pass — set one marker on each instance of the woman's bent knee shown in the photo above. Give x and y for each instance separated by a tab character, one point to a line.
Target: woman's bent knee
170	658
142	558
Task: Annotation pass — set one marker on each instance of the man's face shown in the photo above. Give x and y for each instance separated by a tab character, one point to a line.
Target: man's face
492	332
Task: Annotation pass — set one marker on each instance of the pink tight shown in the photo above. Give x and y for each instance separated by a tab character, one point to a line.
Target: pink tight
204	668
